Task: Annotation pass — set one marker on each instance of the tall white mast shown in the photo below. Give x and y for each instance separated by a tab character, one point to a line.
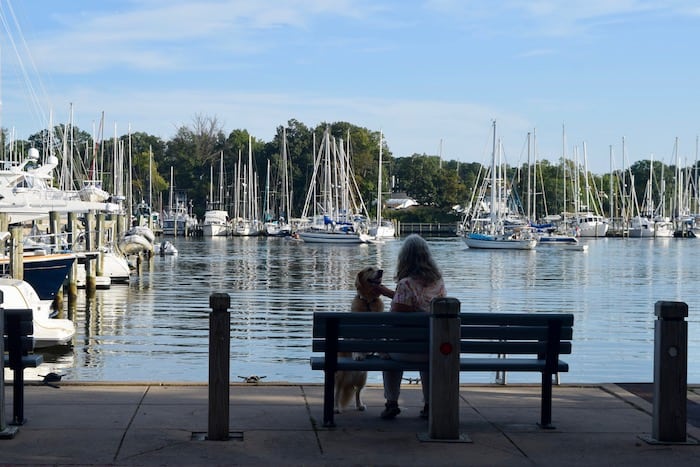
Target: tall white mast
493	213
379	185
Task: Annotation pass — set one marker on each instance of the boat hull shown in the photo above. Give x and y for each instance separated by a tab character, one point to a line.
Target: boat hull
215	230
45	273
135	244
493	243
47	332
338	238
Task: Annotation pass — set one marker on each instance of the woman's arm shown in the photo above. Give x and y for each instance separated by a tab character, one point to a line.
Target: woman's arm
384	290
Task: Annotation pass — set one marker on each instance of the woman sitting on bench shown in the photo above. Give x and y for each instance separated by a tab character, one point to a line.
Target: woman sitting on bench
419	280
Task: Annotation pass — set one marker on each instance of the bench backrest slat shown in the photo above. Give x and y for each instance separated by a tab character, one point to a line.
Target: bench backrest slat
510	347
481	333
511	332
530	319
376	346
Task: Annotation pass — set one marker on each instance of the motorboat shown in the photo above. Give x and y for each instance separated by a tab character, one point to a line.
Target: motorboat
138	239
165	248
215	223
135	244
48	331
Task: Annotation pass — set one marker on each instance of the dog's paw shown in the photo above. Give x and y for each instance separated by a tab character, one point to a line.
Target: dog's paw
359	356
362	407
337	410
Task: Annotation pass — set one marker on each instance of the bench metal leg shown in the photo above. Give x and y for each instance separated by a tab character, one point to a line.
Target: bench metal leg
546	403
552	359
328	399
331	359
18	398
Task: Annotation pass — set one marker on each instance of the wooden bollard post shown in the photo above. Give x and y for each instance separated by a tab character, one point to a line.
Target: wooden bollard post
16	252
670	372
71	229
54	230
90	282
99	242
443	415
219	373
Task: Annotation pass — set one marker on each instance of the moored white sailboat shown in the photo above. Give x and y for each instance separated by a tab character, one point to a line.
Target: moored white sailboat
246	219
333	189
494	234
381	228
216	222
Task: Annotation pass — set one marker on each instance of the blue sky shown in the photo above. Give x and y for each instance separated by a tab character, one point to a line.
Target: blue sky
432	75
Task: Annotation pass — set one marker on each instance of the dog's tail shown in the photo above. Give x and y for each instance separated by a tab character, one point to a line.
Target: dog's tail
347	392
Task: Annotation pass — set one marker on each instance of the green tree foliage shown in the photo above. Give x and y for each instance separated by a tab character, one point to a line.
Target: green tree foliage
437	185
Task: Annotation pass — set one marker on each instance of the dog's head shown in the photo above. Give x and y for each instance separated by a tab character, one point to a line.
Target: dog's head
367	279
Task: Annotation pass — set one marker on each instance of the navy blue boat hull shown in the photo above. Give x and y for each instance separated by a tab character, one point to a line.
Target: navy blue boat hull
45	273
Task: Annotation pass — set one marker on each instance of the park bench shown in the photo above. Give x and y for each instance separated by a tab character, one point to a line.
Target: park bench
18	343
501	342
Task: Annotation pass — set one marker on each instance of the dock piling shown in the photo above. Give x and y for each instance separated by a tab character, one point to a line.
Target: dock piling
219	373
670	372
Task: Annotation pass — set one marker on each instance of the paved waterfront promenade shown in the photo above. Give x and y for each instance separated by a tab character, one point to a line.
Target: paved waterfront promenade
277	424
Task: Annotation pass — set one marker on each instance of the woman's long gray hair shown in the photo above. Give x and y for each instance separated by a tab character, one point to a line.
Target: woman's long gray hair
415	260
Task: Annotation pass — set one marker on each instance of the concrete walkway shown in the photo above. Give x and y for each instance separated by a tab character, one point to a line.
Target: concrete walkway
276	424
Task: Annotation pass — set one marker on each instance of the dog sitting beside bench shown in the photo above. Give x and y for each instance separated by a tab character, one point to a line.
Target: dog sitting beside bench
523	342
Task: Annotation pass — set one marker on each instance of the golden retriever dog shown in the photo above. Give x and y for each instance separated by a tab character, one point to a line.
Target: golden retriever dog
351	383
367	299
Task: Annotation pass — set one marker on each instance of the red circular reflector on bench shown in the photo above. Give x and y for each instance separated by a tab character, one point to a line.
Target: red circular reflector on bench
445	348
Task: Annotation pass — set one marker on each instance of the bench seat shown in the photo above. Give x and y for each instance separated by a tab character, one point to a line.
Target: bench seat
376	363
28	361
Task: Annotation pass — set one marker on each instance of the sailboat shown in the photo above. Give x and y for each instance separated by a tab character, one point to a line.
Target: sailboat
246	220
279	226
588	223
335	194
554	232
177	220
493	233
381	228
215	222
649	221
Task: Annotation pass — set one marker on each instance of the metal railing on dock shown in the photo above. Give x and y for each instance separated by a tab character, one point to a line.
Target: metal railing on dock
448	229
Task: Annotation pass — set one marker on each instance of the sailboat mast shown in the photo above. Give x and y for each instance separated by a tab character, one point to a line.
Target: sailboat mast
563	155
493	213
170	202
221	181
286	203
211	186
150	186
266	215
379	184
529	185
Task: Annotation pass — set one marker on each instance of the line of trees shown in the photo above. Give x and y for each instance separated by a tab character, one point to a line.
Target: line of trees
440	187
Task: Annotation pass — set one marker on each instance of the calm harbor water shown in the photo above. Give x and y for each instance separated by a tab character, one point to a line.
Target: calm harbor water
156	328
